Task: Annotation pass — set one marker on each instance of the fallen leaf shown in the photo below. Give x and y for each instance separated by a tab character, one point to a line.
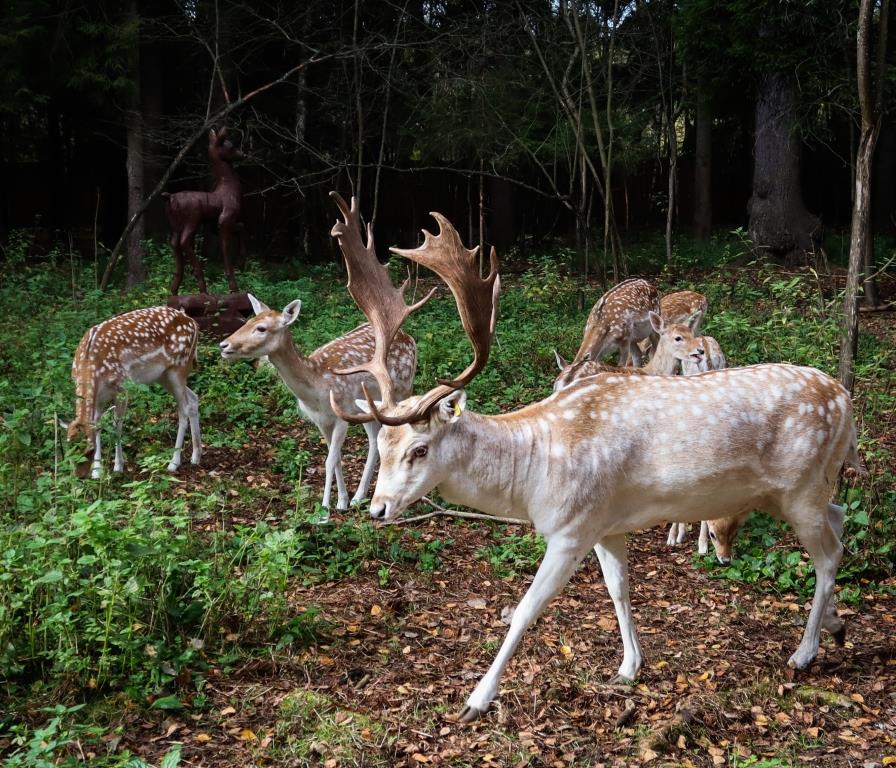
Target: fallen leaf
247	734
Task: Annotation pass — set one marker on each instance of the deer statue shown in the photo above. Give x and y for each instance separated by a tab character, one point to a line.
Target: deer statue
333	368
187	210
150	346
618	322
609	455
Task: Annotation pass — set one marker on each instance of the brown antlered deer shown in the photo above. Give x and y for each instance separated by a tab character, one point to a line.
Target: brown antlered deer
311	379
618	321
150	346
187	210
609	455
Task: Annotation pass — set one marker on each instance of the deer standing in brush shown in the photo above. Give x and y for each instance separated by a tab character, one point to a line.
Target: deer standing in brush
618	321
150	346
333	368
677	307
593	462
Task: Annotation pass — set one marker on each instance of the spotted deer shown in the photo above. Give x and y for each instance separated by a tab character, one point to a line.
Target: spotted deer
677	308
618	321
150	346
592	462
335	367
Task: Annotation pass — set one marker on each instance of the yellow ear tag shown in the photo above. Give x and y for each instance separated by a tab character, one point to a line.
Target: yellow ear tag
457	410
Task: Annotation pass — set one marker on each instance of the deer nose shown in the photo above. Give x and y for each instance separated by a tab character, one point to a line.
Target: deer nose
225	345
378	513
723	560
700	351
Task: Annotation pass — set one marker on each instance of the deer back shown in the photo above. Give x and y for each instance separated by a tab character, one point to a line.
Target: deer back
619	316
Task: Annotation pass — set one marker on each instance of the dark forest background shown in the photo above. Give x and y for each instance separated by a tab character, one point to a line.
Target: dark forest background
687	117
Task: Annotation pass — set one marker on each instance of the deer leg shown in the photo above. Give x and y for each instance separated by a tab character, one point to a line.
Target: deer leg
195	432
818	534
178	252
703	541
225	235
96	468
563	554
178	388
187	242
372	428
613	556
672	538
634	353
121	409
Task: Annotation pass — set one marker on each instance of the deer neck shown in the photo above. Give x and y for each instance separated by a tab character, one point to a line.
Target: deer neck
225	176
492	463
663	362
301	378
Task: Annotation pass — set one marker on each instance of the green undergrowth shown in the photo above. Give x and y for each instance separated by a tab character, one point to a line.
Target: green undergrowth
137	585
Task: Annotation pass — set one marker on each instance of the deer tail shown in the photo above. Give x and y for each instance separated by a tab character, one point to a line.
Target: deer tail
853	458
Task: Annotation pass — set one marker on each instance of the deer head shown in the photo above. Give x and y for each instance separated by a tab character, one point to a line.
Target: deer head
677	339
221	148
263	334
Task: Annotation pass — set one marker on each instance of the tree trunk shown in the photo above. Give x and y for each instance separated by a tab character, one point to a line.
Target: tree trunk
780	225
703	170
859	243
849	341
136	272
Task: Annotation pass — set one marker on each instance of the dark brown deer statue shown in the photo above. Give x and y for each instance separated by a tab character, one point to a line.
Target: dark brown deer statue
187	210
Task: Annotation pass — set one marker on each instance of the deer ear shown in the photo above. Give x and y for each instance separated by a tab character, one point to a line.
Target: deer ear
656	322
291	311
561	363
212	136
451	407
694	320
257	306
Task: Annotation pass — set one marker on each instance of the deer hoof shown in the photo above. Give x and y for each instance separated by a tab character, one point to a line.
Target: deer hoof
620	681
840	636
469	714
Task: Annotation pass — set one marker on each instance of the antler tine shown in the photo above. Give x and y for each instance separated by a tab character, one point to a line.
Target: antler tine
380	301
476	299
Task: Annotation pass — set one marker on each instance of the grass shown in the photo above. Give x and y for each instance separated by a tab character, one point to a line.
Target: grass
136	585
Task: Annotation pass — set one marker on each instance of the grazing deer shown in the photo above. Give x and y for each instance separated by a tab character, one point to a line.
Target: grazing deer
676	344
312	379
618	322
187	210
149	346
593	462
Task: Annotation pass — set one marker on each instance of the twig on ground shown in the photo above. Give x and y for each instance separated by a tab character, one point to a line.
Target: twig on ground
440	511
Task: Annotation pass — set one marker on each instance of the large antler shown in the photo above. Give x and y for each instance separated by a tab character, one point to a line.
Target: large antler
380	301
477	305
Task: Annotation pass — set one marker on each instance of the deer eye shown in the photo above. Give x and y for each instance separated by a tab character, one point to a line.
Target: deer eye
261	329
712	535
420	451
678	338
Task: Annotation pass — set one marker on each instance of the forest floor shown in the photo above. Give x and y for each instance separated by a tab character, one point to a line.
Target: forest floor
397	662
363	642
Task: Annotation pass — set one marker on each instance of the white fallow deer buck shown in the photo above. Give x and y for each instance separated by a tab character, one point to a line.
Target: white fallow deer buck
596	461
311	379
619	321
156	345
